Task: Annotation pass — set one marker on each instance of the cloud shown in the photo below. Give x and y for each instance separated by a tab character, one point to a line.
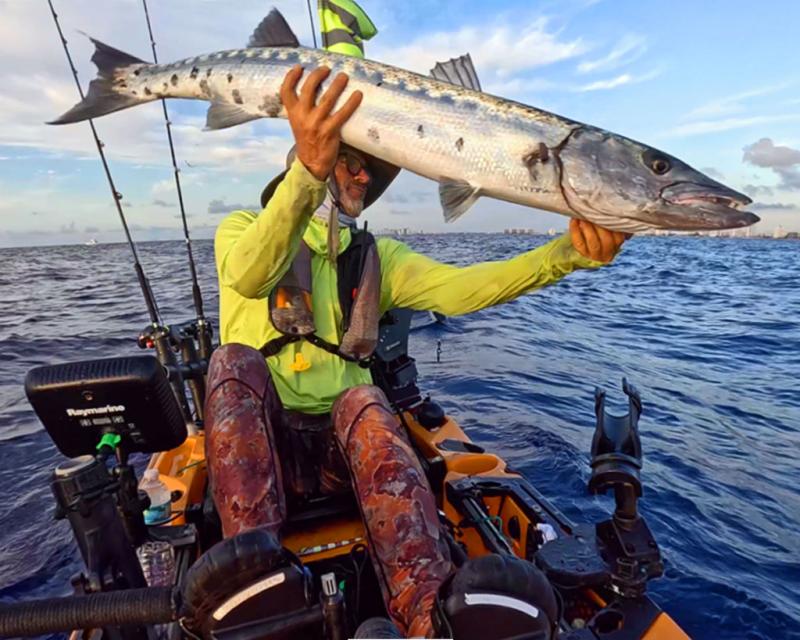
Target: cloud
39	86
756	189
727	124
618	81
68	229
628	49
91	229
219	206
495	49
776	206
783	160
399	212
732	104
765	153
790	179
162	203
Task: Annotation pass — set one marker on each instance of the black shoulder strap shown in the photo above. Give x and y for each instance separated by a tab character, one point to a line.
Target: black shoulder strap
274	346
350	265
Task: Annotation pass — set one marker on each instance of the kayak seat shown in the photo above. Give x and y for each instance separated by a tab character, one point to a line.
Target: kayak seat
321	508
248	580
499	597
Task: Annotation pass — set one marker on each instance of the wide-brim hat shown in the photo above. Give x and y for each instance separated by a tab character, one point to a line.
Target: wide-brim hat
382	174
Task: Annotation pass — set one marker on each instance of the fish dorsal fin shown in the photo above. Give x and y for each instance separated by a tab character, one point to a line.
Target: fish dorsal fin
222	115
459	71
273	31
457	196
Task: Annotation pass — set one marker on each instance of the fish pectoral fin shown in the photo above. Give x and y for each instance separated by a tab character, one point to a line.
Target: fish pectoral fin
273	31
222	115
457	196
459	71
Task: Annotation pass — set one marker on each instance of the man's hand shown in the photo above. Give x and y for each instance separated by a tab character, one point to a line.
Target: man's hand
317	131
595	242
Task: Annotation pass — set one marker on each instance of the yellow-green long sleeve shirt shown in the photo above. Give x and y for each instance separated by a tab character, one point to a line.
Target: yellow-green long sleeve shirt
253	251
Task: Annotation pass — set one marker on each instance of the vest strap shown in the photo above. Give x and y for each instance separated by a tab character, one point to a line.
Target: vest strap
359	285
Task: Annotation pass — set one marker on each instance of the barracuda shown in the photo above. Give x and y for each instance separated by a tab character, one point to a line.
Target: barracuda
441	127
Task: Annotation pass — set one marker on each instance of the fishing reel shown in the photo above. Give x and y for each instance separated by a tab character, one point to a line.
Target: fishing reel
192	340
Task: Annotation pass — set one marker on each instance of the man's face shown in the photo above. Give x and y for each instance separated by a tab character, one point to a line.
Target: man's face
352	179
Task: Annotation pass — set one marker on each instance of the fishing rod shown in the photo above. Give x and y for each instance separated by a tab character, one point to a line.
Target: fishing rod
157	335
200	329
311	20
203	327
147	292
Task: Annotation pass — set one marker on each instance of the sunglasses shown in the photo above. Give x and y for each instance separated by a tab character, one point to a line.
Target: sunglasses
354	164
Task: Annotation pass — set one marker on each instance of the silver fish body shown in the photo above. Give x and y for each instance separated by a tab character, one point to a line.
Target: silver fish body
474	144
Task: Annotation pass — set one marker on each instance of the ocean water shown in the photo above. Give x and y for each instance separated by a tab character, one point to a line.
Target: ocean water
707	329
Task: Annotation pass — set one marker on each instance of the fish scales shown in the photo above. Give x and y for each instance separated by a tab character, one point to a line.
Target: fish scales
495	134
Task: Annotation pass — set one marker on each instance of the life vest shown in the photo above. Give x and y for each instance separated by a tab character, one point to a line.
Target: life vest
359	288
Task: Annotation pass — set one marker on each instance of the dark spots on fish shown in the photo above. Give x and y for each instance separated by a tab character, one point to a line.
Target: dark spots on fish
122	84
174	79
230	77
379	83
136	72
193	73
166	86
271	106
133	92
147	91
204	87
420	131
373	134
208	72
460	144
237	97
540	154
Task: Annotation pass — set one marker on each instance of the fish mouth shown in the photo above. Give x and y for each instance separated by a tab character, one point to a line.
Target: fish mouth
696	206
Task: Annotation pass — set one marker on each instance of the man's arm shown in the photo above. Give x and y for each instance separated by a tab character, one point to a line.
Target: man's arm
252	253
413	280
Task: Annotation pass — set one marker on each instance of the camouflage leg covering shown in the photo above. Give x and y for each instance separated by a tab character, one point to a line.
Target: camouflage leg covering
409	553
241	407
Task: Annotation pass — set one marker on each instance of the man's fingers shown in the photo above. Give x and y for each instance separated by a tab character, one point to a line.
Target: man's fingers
337	120
308	94
592	241
288	95
607	245
577	237
331	95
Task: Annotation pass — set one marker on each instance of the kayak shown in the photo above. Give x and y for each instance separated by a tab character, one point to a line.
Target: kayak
321	585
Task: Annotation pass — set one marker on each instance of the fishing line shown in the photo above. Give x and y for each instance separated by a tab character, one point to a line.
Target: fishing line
311	20
196	295
147	292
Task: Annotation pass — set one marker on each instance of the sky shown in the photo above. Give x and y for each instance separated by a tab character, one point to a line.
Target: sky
716	84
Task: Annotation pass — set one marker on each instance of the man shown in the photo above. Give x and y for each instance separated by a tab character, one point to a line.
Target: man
280	278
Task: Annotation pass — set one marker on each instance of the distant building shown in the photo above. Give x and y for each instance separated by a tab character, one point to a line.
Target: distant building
779	233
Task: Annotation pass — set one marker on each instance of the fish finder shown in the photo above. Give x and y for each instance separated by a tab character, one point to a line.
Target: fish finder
80	402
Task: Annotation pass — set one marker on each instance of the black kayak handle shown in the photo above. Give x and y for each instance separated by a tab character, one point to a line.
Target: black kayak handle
153	605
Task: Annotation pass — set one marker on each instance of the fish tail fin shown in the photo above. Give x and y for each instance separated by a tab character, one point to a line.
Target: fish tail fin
105	93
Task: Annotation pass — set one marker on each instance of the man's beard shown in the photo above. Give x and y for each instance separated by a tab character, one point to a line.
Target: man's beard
351	206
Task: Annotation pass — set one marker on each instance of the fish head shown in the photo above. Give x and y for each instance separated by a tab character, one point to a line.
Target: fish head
624	185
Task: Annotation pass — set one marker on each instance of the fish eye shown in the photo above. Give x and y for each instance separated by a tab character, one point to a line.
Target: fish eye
660	166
